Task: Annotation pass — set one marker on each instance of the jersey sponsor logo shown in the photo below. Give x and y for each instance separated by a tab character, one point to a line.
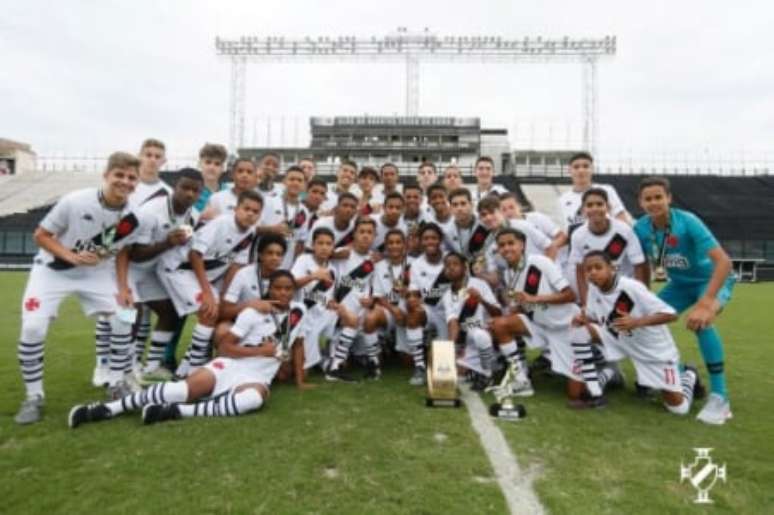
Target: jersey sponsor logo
676	261
615	247
121	229
355	279
32	304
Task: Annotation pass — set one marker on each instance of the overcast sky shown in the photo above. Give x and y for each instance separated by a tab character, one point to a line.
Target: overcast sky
96	76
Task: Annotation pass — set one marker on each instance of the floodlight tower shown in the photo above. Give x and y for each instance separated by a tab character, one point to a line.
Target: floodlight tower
413	48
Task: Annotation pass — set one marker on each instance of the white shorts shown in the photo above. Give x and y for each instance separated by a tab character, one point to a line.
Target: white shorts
475	338
558	341
319	319
656	374
184	290
146	285
436	318
230	372
401	344
95	288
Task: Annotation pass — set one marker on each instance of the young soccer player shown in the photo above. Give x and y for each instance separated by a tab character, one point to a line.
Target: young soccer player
467	236
440	214
389	220
452	178
351	300
390	177
423	298
700	279
315	276
212	159
78	239
484	174
309	167
244	176
469	303
342	223
152	158
165	222
539	306
286	215
345	183
613	236
234	383
366	181
631	321
511	208
427	175
268	165
390	280
193	275
413	215
316	191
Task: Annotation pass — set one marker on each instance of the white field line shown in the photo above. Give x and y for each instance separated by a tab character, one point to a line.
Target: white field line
515	484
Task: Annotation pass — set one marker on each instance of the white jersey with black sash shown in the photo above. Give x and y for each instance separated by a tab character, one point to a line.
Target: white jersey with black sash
341	237
315	293
353	278
619	243
147	191
157	219
429	280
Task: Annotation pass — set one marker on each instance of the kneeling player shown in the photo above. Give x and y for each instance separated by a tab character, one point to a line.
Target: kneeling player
540	308
468	304
236	382
630	321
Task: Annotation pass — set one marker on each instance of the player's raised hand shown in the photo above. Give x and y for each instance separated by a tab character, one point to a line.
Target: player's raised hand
625	322
323	274
262	306
177	237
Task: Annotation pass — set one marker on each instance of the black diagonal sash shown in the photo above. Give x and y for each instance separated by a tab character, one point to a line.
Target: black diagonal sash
318	289
615	247
161	192
346	240
124	227
436	291
362	271
623	306
477	240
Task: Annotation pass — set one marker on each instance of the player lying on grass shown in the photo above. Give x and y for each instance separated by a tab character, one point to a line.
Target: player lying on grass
78	240
468	304
166	222
631	322
700	280
234	383
193	275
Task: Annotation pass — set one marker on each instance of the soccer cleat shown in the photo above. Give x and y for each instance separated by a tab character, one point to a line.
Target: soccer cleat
480	382
716	410
699	391
88	413
30	411
587	403
154	413
419	377
339	376
373	371
101	376
156	375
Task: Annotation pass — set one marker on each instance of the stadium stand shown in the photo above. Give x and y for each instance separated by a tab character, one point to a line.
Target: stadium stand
30	190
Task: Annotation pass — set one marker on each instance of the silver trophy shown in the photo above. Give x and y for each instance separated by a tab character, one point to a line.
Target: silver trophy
505	408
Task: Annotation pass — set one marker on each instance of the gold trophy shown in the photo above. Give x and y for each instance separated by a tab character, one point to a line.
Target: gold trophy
442	375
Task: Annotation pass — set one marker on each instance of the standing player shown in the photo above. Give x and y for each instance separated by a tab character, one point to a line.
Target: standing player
440	213
613	236
212	160
345	183
484	175
423	299
342	224
452	178
630	321
78	239
413	215
269	167
193	275
244	176
427	175
390	280
469	303
389	220
316	191
467	236
366	181
285	215
309	167
234	383
166	222
389	178
351	299
700	279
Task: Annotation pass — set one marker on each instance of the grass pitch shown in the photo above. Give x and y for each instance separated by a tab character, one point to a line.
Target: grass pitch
375	448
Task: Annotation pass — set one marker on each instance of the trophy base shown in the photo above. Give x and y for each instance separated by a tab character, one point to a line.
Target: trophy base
442	403
513	412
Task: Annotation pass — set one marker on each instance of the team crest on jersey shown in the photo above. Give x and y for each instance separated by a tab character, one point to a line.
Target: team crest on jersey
622	307
299	219
532	282
32	304
615	247
672	241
